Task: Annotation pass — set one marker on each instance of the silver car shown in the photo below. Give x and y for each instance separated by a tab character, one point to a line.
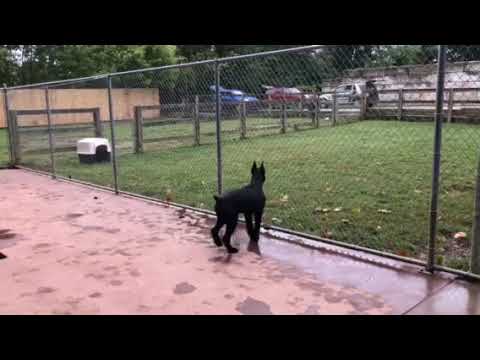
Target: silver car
352	94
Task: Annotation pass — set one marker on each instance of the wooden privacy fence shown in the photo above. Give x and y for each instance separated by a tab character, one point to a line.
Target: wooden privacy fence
123	101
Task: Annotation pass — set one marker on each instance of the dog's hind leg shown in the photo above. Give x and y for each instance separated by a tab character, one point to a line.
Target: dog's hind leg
216	231
231	226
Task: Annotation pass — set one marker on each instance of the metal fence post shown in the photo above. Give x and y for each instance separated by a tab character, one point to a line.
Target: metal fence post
442	59
243	119
9	128
475	261
401	100
270	106
112	128
284	118
138	130
218	117
196	121
50	134
316	109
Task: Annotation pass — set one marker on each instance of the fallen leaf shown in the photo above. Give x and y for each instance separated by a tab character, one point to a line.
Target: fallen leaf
402	253
384	211
338	210
169	197
278	221
460	236
284	199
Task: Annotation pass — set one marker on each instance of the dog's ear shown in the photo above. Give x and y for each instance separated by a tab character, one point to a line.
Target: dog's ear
254	168
262	170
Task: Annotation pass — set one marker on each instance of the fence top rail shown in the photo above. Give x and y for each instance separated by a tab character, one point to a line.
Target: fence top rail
45	85
224	60
55	111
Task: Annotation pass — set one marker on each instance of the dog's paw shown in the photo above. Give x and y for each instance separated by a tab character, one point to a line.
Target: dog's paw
233	251
218	242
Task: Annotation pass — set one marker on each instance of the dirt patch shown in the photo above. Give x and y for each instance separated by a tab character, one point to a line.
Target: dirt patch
7	238
254	307
45	290
184	289
74	216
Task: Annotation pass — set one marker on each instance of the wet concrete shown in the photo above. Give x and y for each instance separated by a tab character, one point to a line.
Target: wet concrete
458	298
75	250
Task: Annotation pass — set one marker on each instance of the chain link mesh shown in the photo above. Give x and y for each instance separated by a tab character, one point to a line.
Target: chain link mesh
346	133
460	156
341	166
28	117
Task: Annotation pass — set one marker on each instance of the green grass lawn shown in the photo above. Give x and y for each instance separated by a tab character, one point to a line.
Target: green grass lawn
365	183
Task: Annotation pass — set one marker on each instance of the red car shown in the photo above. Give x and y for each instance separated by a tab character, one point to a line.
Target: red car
286	95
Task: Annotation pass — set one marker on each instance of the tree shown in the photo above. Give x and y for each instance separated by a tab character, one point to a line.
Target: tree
41	63
459	53
399	55
8	67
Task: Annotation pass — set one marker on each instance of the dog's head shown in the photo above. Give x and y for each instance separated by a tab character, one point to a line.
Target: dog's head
258	174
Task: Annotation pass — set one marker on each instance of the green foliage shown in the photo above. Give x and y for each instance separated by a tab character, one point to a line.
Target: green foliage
8	70
27	64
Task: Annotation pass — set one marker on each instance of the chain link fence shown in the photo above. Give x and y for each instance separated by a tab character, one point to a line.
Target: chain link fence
347	137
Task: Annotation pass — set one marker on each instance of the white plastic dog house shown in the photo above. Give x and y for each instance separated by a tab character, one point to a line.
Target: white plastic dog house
94	150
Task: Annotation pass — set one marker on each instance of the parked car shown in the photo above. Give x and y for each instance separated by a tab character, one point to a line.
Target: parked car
234	96
352	94
284	94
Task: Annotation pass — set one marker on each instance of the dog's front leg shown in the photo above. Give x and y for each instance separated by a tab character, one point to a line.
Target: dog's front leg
258	225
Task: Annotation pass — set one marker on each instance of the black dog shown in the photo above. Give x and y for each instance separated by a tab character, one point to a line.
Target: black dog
249	201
